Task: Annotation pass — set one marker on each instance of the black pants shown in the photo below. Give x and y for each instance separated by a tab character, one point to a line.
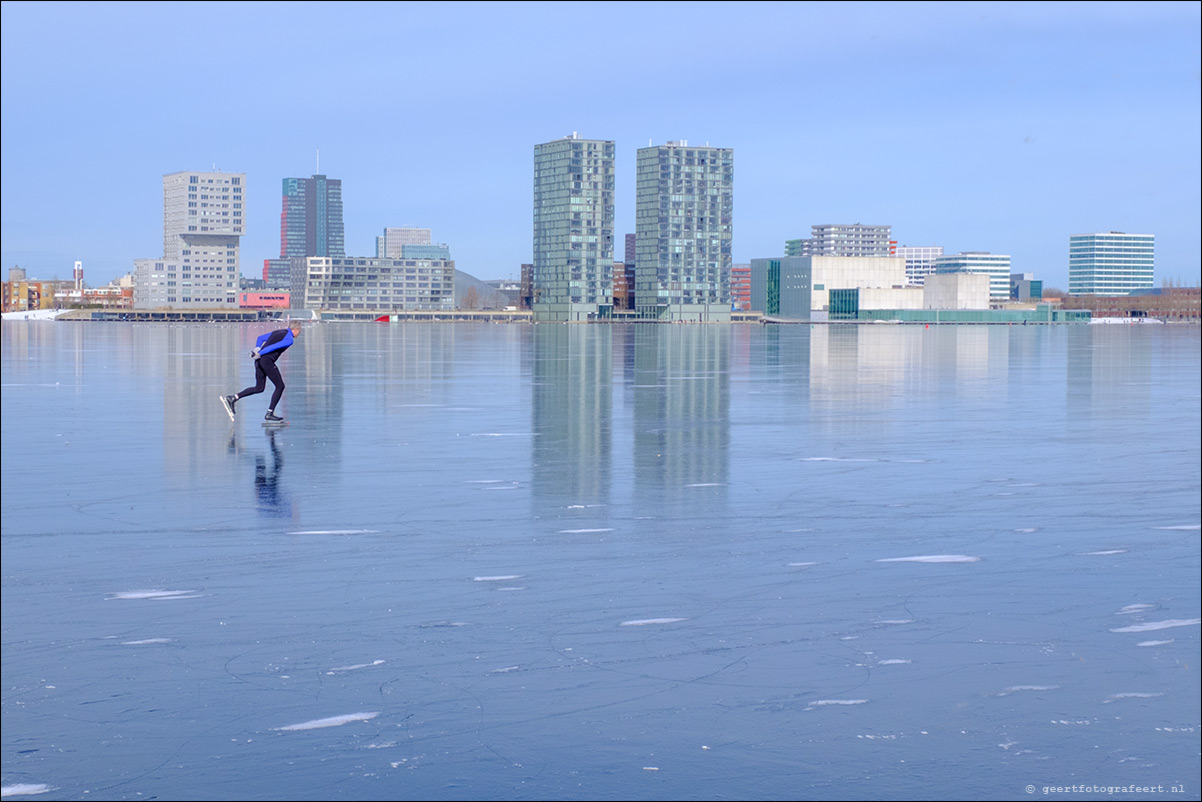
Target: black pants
265	369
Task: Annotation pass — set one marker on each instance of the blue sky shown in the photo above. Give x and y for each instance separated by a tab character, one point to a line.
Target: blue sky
976	126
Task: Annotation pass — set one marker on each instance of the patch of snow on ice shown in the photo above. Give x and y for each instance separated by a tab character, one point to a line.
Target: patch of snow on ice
1018	688
1117	696
933	558
642	622
155	594
1153	625
332	721
24	789
356	667
1135	608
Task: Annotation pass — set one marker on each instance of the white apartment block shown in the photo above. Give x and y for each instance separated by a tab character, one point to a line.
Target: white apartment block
202	228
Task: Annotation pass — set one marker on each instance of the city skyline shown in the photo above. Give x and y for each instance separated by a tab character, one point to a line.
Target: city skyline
994	127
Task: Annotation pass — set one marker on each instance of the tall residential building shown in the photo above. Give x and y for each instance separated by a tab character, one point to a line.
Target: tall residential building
684	227
844	240
202	227
573	229
631	239
920	261
1113	263
389	246
996	265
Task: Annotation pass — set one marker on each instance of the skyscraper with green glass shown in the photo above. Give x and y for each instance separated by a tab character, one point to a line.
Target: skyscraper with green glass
684	211
573	229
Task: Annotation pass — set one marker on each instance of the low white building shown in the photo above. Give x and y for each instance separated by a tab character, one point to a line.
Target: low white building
956	291
853	272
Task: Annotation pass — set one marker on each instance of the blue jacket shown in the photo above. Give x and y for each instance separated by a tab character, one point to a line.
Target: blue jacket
274	343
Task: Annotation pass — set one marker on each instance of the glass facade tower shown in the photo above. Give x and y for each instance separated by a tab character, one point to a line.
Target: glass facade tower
573	229
1113	263
311	219
684	227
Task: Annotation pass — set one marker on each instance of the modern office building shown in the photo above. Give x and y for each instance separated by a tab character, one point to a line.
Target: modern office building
202	229
684	228
311	220
1025	288
844	240
782	287
573	229
920	261
365	284
996	265
389	246
1112	263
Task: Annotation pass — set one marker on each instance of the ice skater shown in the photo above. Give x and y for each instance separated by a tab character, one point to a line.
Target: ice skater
268	348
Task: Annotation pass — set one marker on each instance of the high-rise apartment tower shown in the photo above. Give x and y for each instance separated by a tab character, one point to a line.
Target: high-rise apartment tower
573	229
684	228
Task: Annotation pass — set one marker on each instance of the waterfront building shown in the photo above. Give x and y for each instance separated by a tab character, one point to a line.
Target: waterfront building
853	239
573	229
684	228
372	284
389	246
631	239
995	265
920	261
202	230
1113	263
782	287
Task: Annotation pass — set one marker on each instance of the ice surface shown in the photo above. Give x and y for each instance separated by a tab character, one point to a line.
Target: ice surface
672	565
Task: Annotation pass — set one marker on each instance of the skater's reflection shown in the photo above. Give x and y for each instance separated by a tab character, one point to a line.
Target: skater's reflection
272	500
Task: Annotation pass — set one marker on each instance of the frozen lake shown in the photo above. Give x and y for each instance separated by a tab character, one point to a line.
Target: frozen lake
602	562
